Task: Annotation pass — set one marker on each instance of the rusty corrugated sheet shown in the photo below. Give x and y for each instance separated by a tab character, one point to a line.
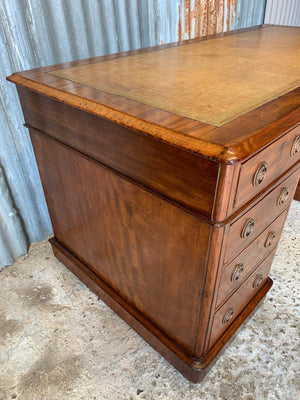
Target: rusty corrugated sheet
206	17
34	33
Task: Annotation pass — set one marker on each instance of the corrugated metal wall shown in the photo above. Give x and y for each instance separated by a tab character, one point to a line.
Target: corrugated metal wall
35	33
285	12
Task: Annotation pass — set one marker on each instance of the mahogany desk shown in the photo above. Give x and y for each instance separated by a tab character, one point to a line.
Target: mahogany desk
168	173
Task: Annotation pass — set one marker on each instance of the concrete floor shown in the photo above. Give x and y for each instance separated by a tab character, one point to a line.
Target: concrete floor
58	341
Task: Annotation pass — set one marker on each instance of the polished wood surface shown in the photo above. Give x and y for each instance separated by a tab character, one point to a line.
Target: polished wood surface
262	213
193	369
156	196
236	140
297	193
154	268
240	299
278	158
248	259
175	174
211	81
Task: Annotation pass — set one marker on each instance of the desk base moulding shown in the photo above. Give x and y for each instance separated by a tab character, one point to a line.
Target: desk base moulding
190	367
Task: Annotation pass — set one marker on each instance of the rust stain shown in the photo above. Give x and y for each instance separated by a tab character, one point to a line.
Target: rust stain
195	16
206	17
228	15
233	9
212	17
220	16
186	18
179	26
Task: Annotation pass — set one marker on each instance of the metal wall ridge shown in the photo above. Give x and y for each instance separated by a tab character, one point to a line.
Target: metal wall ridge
285	12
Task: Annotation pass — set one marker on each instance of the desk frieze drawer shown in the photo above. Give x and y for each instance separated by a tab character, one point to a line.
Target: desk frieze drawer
262	169
134	155
227	313
252	223
238	270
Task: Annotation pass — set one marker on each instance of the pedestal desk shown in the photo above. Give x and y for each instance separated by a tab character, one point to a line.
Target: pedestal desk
168	174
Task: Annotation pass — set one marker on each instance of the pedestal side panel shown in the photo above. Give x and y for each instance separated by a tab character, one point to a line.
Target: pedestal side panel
149	251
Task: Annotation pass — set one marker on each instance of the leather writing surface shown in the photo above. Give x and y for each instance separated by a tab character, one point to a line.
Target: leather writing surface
213	81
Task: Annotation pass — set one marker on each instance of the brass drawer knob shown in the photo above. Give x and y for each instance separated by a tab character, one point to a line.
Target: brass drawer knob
296	146
258	280
270	239
283	196
237	272
228	315
260	173
248	228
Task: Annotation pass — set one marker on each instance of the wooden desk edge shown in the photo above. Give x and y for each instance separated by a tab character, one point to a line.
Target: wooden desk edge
215	152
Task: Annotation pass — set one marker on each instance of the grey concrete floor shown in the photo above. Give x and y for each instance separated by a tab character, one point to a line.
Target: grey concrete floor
58	341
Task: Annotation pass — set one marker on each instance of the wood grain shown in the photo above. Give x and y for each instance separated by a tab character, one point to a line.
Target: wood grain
263	213
194	369
216	243
104	221
278	158
165	169
240	298
249	258
297	193
147	161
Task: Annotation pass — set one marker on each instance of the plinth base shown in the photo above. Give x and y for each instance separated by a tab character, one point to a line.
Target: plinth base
193	369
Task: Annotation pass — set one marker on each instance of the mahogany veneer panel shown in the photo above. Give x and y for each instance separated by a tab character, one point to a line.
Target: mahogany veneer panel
168	174
154	268
129	152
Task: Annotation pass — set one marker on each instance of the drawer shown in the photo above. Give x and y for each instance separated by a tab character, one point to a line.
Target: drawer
255	220
262	169
238	270
240	298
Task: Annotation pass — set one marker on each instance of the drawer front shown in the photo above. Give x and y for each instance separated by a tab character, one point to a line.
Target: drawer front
238	301
262	169
254	221
238	270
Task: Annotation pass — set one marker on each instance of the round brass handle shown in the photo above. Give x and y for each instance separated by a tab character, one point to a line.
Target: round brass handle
237	272
270	239
258	280
248	228
228	315
283	196
296	146
260	174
